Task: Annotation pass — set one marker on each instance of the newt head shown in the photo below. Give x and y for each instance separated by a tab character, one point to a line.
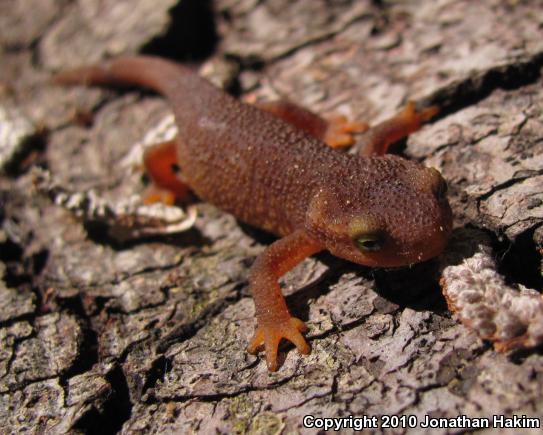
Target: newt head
389	213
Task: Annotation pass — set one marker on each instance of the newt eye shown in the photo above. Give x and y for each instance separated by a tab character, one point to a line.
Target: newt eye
370	242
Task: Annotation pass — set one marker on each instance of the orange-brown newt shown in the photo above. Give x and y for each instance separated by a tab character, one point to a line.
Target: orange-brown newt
270	168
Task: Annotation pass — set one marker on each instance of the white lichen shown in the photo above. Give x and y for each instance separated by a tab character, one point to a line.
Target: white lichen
125	219
164	131
15	131
510	317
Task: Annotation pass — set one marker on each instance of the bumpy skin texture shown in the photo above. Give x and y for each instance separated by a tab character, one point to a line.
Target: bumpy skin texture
380	211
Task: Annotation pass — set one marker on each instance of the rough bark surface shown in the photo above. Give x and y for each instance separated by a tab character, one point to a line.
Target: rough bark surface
149	335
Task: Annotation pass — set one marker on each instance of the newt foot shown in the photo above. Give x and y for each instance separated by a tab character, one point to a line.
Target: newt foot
154	194
271	335
339	131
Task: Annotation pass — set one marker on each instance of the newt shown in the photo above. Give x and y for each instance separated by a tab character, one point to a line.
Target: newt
270	167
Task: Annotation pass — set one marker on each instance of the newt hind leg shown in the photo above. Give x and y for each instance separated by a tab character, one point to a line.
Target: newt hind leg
161	165
336	132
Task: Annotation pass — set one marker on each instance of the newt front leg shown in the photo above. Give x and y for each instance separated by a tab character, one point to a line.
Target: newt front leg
376	140
274	319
